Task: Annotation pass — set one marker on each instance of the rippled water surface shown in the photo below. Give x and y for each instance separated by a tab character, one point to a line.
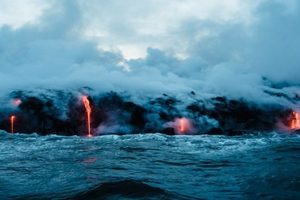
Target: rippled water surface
152	166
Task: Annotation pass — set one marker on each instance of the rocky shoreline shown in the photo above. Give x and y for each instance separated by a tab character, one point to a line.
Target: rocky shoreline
61	112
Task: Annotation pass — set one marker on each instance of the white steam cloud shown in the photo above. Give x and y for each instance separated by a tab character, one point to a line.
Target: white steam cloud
236	48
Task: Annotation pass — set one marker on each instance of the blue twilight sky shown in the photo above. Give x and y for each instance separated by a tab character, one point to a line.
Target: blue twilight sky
233	47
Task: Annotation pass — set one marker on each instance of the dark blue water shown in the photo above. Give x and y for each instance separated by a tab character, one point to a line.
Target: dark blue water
150	166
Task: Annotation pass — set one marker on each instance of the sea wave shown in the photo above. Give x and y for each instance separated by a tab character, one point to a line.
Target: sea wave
127	189
152	166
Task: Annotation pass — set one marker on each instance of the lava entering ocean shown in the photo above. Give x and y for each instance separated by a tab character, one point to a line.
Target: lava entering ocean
47	112
12	121
183	125
88	110
295	121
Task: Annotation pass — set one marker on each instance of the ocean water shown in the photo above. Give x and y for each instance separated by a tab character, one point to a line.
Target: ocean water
152	166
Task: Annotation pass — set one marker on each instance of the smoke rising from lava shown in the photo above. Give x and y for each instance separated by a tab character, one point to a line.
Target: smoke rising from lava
240	58
249	51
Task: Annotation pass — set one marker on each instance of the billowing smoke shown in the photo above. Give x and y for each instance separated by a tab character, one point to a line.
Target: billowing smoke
248	53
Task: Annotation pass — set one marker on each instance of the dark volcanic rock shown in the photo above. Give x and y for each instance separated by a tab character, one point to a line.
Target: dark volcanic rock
238	115
63	113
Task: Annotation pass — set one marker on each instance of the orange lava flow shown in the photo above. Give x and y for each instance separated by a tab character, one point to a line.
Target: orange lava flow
183	125
88	110
12	121
295	121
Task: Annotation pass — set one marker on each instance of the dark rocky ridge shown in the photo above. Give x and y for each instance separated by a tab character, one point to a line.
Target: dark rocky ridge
61	112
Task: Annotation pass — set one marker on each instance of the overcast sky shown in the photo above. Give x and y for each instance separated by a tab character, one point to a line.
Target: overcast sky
132	26
231	47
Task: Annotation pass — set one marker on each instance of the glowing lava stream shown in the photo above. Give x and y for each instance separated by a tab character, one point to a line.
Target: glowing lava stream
12	121
295	122
88	110
183	125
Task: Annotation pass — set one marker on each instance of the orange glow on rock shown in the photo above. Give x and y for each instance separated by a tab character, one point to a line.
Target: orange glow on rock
295	121
16	102
12	122
183	125
88	110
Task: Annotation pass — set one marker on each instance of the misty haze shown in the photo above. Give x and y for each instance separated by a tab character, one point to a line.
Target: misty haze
152	99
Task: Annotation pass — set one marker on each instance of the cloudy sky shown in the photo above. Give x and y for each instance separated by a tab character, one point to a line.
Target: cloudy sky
232	47
132	26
